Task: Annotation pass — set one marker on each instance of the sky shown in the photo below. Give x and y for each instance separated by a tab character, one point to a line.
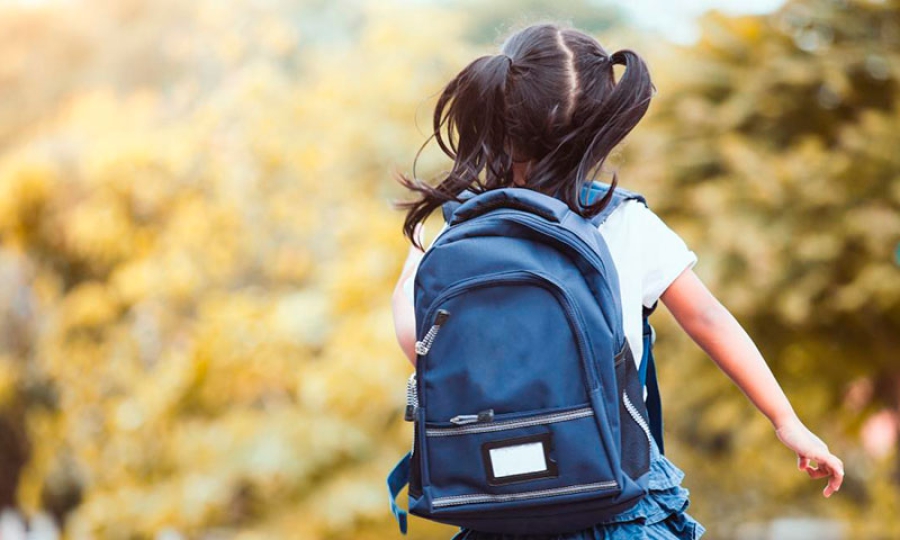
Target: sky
676	19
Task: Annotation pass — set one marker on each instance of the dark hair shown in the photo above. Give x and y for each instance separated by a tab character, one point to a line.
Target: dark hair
549	97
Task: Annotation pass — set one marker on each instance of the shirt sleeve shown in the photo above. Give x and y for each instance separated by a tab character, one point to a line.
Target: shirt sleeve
665	255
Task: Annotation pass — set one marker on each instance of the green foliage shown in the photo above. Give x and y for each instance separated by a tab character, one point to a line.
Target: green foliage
771	148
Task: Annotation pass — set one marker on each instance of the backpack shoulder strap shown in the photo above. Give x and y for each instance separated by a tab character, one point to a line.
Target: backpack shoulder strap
620	195
647	373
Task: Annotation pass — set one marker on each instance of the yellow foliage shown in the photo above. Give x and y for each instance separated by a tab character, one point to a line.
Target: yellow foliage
214	260
9	381
89	305
197	204
25	188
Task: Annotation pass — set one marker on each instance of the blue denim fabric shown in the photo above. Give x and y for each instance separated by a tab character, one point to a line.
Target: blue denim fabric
658	516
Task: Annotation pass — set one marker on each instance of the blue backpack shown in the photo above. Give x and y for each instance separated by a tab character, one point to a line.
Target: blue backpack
527	407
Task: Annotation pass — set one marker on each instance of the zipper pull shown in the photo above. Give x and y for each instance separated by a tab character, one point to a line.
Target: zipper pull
422	347
412	399
483	416
442	316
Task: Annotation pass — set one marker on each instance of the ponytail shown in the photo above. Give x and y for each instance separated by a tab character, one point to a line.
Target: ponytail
616	116
472	109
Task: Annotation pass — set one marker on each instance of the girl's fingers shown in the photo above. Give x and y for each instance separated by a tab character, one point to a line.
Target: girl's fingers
827	465
837	475
830	488
810	448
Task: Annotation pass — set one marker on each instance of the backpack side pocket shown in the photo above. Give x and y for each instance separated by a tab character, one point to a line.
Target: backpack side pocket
412	415
635	427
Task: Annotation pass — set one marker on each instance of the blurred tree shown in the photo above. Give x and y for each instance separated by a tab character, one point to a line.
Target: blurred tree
771	148
197	251
198	224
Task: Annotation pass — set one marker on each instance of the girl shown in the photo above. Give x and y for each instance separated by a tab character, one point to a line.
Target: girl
543	114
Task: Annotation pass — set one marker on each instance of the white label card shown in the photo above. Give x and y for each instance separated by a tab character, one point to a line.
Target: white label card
519	459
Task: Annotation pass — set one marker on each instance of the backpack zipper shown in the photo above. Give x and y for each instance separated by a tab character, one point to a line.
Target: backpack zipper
412	399
501	425
422	347
482	416
636	415
484	498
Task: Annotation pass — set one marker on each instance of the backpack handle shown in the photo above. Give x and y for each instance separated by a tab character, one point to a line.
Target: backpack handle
528	200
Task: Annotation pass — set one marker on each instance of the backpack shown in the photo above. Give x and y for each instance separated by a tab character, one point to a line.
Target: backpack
527	407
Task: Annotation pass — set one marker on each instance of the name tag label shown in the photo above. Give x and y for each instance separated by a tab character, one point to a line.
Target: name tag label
519	459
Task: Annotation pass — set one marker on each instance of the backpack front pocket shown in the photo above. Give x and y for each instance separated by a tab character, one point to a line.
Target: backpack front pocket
469	355
516	458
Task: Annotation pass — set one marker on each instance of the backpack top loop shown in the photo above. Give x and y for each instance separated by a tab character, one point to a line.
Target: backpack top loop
520	198
531	201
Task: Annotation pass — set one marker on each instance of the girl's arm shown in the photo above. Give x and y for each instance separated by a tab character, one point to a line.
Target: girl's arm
719	334
404	314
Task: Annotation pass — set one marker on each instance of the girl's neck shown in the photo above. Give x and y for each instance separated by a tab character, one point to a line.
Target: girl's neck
520	171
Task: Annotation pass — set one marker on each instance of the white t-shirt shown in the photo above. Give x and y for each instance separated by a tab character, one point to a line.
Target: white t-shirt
648	256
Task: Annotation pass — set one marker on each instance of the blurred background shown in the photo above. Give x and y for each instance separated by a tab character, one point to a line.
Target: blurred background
198	248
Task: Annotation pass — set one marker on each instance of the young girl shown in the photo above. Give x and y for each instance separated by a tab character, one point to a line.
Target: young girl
543	114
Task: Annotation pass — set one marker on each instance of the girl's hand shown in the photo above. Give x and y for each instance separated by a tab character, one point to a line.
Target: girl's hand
810	448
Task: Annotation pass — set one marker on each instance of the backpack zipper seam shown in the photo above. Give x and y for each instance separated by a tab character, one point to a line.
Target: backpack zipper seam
454	500
502	425
636	416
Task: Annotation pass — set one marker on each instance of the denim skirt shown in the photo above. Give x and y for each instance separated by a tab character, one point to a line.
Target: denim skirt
658	516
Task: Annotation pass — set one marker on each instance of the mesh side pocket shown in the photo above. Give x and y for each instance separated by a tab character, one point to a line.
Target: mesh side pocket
412	413
633	417
415	465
